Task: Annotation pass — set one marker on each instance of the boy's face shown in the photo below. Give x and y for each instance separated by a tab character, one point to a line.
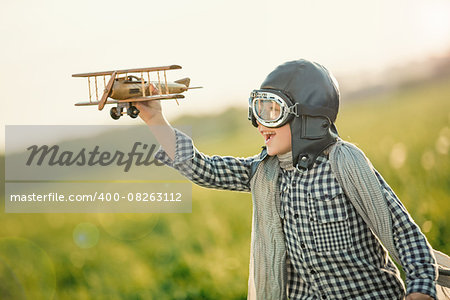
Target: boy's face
277	140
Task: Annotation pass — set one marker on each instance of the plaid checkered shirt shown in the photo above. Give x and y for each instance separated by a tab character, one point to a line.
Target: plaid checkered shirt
331	252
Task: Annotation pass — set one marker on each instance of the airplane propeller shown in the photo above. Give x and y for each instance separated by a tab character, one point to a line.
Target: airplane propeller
107	90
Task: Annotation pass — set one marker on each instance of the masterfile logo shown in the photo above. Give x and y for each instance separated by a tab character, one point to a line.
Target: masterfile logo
112	153
56	169
140	154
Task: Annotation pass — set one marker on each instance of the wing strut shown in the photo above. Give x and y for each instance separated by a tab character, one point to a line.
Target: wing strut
96	90
89	87
149	83
165	81
107	90
159	84
143	85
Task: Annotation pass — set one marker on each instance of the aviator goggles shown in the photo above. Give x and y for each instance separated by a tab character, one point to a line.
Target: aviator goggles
270	108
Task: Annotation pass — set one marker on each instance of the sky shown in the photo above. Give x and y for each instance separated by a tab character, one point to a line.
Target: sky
228	47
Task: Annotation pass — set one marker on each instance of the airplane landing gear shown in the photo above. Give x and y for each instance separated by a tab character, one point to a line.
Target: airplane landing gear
115	113
132	111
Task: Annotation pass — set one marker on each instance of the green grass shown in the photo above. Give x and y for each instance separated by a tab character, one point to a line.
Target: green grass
204	255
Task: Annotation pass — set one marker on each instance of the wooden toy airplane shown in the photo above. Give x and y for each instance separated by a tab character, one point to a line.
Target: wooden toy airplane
124	90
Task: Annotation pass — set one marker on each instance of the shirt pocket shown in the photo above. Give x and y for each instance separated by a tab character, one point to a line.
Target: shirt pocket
329	220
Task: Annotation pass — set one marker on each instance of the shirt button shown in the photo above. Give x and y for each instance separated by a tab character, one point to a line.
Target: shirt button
323	296
312	271
311	219
302	245
296	216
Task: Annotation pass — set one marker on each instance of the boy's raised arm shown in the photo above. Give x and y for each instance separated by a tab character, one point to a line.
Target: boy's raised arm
151	114
219	172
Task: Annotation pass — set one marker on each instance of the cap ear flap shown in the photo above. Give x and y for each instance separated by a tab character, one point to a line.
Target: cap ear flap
314	128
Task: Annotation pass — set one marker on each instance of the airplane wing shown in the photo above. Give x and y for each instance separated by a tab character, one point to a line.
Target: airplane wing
95	103
138	70
156	97
137	99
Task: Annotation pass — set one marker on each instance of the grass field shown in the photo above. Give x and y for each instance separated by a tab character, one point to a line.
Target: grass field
204	255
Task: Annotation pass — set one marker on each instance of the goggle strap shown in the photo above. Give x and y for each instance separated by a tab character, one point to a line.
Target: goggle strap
293	110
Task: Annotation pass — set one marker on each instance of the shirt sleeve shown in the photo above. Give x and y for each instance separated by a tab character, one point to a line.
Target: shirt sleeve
412	246
219	172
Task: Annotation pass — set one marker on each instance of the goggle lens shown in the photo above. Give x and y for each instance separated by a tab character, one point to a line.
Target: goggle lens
268	110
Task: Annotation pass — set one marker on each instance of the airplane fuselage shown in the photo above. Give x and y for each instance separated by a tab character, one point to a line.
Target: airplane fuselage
126	89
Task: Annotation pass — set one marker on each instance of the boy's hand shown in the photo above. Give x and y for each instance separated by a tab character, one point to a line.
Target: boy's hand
418	296
150	111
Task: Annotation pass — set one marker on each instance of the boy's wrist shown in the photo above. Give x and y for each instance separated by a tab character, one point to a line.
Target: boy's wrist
158	119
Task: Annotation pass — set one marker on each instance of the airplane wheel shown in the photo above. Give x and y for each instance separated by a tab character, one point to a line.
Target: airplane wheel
133	112
115	113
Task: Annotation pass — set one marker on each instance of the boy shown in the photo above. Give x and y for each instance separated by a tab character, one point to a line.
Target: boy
309	240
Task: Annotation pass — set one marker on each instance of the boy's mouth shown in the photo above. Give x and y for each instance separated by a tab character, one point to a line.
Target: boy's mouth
268	135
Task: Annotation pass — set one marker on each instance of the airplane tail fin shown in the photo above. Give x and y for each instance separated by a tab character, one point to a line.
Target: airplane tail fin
184	81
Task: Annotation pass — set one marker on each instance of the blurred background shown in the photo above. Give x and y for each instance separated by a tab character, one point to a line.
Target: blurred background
392	60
